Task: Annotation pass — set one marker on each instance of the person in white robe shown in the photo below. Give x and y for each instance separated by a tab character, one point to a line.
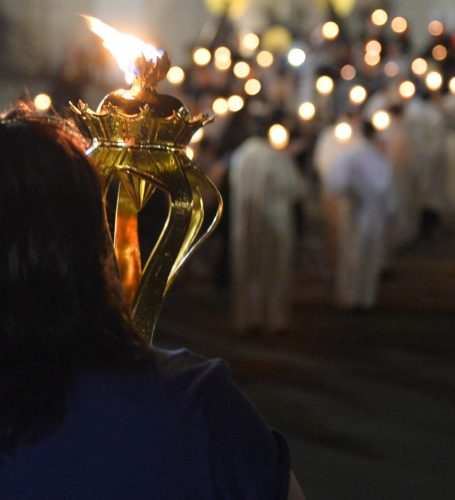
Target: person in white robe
398	148
328	148
264	188
363	179
427	124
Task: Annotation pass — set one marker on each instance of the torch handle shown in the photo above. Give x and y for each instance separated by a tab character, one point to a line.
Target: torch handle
179	239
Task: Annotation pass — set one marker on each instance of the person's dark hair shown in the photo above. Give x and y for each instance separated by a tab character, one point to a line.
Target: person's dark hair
368	130
396	109
61	305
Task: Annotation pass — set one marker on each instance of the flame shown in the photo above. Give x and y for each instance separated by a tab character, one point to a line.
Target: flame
124	47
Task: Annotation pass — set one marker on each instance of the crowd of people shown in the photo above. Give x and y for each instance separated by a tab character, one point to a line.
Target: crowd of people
359	123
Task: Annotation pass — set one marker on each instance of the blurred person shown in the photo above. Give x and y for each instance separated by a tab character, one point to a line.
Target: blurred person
363	179
450	112
264	188
398	148
328	148
88	410
427	123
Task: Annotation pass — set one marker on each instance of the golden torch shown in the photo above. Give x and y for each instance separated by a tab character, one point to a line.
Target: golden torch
140	137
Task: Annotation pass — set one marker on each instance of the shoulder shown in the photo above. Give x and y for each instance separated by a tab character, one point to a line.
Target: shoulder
189	407
179	427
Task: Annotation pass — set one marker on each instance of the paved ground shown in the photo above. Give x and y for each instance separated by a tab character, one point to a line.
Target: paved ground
367	402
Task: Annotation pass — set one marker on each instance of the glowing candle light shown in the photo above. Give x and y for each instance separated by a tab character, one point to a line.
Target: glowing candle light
235	103
372	59
307	110
439	52
265	59
379	17
42	102
330	30
419	66
358	94
125	48
278	136
343	131
202	56
324	85
381	120
435	28
252	86
399	24
348	72
452	85
175	75
222	58
373	46
433	81
407	89
296	57
222	54
220	106
391	69
250	41
241	69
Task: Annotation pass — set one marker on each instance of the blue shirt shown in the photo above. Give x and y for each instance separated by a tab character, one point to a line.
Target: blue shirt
179	430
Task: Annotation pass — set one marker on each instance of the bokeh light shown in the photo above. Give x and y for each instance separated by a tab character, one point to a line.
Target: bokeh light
330	30
250	41
220	106
202	56
241	69
324	85
373	46
222	54
399	24
391	69
381	120
348	72
439	52
379	17
435	28
234	9
452	85
252	86
407	89
307	110
42	102
296	57
276	38
265	59
343	131
433	81
175	75
372	59
358	94
235	103
419	66
278	136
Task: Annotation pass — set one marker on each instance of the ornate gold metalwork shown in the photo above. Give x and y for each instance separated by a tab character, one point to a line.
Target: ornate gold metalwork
140	137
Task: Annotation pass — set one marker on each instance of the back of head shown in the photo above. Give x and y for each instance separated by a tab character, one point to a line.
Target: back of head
61	307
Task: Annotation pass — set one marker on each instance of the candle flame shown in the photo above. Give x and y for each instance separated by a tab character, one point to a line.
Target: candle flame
125	48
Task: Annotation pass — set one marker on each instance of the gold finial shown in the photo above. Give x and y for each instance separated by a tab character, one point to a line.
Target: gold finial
149	73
